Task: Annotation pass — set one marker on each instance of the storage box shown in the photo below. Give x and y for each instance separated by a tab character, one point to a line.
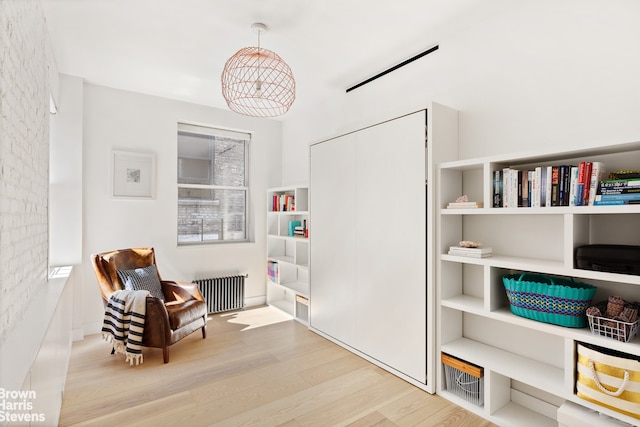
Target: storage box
611	328
624	259
464	379
549	299
609	378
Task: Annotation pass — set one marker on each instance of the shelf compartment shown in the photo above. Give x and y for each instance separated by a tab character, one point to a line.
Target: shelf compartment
280	298
539	375
513	263
507	235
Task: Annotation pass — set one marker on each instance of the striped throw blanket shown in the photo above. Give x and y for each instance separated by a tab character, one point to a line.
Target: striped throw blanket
124	323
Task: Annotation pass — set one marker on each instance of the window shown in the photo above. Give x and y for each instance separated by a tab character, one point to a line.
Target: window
213	192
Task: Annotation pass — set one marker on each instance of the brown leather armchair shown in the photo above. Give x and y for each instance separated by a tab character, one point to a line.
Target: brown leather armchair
182	312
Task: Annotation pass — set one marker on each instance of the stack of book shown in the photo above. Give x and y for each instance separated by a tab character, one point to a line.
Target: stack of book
618	192
481	252
301	230
464	205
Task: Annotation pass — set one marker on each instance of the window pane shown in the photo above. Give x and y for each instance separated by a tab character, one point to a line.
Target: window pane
206	215
210	160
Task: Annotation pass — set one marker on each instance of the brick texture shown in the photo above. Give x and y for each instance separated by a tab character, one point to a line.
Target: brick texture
24	158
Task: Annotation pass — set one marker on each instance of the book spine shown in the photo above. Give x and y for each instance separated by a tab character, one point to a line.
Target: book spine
629	196
618	190
610	202
505	187
549	186
565	182
620	183
497	189
580	180
555	186
535	187
573	185
519	188
597	174
529	188
585	184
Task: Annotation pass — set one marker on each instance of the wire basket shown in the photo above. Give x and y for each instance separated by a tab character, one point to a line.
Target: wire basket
611	328
464	379
549	299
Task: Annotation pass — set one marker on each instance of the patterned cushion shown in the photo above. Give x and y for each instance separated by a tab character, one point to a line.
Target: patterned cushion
145	279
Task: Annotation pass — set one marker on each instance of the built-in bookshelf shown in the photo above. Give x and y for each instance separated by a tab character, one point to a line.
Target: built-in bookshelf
288	250
529	366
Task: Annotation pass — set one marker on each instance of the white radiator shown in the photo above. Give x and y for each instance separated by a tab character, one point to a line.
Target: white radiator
222	293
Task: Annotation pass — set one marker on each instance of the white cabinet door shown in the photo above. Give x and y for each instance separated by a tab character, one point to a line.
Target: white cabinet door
391	244
332	238
368	242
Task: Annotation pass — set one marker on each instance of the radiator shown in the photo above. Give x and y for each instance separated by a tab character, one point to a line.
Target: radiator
222	293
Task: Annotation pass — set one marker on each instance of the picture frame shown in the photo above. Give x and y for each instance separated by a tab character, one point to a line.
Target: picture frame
133	174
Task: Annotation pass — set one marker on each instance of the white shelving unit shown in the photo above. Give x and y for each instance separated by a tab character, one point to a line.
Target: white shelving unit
529	366
288	255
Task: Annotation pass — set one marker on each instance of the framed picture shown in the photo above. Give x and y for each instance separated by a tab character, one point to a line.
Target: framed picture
134	174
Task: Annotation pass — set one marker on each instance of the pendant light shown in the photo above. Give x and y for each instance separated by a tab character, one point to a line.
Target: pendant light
257	82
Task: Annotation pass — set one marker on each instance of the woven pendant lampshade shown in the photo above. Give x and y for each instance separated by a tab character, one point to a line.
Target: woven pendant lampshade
257	82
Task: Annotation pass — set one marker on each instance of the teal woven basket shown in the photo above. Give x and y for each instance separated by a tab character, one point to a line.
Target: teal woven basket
549	299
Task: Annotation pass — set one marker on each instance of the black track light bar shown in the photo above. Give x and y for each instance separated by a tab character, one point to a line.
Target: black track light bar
395	67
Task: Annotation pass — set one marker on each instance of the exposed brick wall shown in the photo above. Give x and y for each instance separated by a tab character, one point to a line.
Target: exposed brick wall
24	157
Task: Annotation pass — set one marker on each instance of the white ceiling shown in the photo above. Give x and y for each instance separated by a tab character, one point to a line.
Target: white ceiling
177	48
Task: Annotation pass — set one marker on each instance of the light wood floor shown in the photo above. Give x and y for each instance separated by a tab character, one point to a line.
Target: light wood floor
255	367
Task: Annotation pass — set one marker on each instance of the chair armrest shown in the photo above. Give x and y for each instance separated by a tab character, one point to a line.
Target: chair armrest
157	328
181	291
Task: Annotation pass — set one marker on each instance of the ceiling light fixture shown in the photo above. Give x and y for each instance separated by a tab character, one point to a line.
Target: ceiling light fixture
257	82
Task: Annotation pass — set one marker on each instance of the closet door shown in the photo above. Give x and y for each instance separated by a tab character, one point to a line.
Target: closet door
332	238
391	244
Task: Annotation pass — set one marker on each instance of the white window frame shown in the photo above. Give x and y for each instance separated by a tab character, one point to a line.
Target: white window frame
215	132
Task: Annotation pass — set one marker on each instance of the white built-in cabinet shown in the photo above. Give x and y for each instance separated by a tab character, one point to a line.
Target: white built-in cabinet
529	367
371	264
287	252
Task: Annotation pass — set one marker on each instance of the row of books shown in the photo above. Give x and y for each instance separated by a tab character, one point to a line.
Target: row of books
562	185
283	203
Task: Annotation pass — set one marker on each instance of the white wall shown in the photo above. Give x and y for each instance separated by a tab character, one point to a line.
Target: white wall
116	119
65	183
542	74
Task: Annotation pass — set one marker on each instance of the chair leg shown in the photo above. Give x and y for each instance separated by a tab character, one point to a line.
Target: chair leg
204	331
165	354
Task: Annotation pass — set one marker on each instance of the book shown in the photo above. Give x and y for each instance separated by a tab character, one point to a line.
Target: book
461	250
536	180
470	254
564	181
618	185
618	190
555	186
597	175
292	227
629	196
615	202
573	185
497	189
583	170
523	187
506	187
464	205
529	187
548	184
